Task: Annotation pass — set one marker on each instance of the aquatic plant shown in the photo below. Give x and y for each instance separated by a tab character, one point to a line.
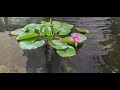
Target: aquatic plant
57	34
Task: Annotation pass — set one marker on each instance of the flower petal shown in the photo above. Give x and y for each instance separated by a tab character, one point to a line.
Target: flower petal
73	35
80	41
76	35
71	39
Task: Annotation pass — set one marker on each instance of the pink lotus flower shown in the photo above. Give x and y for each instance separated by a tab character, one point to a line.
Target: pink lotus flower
75	37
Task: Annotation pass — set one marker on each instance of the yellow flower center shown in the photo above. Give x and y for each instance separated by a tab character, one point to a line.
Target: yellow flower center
75	39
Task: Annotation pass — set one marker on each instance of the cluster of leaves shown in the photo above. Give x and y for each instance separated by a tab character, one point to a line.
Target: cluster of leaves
34	35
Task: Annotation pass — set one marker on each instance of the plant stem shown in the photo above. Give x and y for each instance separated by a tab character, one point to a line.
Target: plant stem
51	22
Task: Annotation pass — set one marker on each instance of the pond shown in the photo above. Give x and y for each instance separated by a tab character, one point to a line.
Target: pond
100	54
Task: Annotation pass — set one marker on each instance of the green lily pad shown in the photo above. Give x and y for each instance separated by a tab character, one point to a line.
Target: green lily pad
56	24
65	29
45	30
30	28
83	37
27	36
67	40
82	31
18	31
68	52
57	44
31	43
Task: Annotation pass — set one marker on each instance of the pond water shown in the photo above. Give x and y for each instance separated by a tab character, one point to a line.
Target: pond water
100	54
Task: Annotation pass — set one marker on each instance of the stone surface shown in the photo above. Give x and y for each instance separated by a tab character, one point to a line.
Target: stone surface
12	23
2	24
11	56
15	60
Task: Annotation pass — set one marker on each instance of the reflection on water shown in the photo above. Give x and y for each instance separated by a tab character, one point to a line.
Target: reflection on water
100	54
112	46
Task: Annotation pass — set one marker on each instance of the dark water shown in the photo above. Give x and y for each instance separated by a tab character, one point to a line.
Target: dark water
100	54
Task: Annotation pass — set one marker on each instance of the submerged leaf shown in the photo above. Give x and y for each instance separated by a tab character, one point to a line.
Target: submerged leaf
83	31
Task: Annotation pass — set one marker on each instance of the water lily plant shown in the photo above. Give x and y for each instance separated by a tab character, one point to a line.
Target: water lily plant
57	34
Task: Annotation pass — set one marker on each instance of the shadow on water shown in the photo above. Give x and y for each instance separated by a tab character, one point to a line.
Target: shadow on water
100	54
